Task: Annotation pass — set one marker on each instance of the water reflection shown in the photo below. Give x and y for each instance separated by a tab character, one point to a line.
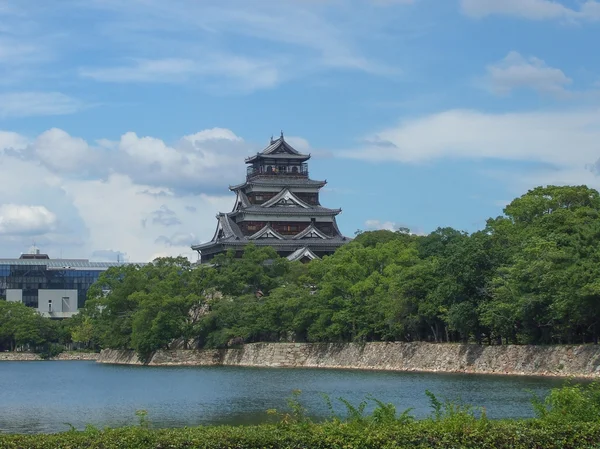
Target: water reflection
43	396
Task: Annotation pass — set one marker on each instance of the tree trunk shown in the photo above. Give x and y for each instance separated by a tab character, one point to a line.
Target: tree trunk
434	333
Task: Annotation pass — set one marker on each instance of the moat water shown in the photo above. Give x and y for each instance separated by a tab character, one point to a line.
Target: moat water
43	397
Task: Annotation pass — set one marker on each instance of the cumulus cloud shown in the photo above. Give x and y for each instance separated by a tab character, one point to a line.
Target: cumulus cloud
178	239
165	216
193	162
117	196
108	255
299	143
204	161
12	141
378	225
381	225
531	9
213	134
516	71
17	219
63	153
115	209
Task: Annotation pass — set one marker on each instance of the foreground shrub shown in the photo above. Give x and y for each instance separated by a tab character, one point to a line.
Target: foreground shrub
570	403
568	418
423	434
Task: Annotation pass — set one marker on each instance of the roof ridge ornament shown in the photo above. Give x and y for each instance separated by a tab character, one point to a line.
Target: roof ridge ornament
281	137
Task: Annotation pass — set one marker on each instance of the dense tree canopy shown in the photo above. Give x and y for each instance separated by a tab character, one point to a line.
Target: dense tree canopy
531	276
23	327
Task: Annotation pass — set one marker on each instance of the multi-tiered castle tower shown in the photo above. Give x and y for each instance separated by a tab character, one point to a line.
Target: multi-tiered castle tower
277	206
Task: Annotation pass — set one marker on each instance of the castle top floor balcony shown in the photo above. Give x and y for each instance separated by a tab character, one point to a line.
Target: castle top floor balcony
300	170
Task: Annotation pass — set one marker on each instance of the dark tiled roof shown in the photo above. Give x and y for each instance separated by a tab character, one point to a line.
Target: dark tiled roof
301	253
281	182
276	144
279	149
285	210
288	244
285	194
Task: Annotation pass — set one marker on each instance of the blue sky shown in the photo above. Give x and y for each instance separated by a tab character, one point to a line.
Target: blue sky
123	123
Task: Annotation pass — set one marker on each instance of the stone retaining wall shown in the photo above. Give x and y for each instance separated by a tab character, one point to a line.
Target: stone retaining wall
577	361
30	356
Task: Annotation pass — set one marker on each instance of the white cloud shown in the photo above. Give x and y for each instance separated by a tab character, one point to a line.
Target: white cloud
379	225
25	104
298	143
11	140
563	145
252	72
137	196
204	160
108	255
150	41
15	52
16	219
164	216
194	161
213	134
102	205
516	71
531	9
563	138
217	71
321	36
178	239
63	153
146	71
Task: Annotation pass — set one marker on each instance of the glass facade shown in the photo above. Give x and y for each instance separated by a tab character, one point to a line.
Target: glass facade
29	278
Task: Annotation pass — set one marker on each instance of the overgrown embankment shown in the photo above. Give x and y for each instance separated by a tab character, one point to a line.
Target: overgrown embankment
576	361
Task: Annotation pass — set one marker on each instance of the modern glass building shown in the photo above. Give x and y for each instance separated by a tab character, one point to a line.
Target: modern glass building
57	288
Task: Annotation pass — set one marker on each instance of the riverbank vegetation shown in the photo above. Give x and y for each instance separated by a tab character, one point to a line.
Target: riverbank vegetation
23	328
568	418
529	277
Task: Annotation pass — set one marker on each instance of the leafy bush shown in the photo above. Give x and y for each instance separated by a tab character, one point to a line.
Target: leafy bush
571	403
422	434
567	419
51	350
454	415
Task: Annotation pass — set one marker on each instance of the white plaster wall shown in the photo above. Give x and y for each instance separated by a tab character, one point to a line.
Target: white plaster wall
44	295
14	295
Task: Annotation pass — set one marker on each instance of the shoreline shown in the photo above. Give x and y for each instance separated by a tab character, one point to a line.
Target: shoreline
353	368
559	361
34	357
577	361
